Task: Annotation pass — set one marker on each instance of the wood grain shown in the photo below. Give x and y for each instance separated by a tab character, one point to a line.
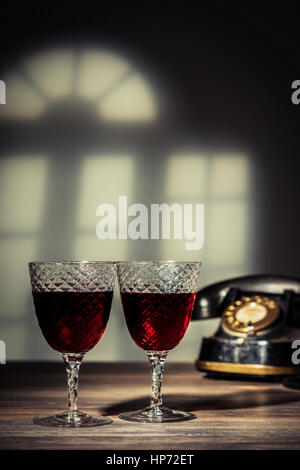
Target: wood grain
230	414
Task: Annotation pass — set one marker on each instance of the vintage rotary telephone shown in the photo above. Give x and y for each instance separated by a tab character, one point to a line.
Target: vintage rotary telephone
260	318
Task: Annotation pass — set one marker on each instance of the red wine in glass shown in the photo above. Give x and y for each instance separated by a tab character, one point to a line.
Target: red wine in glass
158	298
72	302
72	322
157	322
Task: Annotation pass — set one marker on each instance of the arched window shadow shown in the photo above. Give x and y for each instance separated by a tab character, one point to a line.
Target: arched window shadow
89	127
77	114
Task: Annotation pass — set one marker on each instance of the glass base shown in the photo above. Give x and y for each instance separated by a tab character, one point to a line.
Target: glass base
154	415
67	420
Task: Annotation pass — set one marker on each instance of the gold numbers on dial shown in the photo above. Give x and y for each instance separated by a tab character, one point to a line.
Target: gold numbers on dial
250	314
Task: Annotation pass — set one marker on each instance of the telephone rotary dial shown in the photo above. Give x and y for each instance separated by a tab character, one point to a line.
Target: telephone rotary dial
260	318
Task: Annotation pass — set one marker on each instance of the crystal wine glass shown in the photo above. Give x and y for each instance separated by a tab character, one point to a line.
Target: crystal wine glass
157	299
72	302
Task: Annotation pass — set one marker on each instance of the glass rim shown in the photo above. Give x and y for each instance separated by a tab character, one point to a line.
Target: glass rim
71	262
159	262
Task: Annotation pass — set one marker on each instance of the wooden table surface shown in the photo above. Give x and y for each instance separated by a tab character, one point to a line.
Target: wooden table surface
230	414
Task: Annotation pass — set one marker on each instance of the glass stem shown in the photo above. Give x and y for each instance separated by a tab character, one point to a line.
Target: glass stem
73	362
157	362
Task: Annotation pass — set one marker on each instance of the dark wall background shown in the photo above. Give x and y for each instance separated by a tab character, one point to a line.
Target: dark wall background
224	75
228	71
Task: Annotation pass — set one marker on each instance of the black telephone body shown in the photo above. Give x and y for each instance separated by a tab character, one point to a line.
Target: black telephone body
260	319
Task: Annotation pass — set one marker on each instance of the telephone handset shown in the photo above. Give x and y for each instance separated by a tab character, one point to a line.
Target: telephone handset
260	318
